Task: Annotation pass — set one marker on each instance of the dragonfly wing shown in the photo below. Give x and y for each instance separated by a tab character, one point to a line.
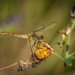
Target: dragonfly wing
31	44
43	28
46	27
14	34
50	26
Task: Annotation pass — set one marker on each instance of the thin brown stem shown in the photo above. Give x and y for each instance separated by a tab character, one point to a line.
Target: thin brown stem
12	65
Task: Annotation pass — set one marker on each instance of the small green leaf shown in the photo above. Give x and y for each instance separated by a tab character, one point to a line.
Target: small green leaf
59	56
68	62
67	48
70	56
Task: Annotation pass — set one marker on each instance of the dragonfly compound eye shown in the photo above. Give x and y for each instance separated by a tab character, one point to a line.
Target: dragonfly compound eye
41	37
43	51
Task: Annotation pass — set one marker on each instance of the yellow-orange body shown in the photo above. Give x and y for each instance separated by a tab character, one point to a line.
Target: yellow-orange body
43	51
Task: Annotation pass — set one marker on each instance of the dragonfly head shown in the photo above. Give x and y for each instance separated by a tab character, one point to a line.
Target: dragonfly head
41	37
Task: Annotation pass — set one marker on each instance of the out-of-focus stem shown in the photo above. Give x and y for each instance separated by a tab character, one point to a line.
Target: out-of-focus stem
4	68
69	37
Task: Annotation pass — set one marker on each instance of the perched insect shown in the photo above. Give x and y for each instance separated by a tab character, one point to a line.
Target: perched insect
41	49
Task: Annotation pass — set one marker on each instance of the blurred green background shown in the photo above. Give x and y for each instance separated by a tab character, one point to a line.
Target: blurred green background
24	16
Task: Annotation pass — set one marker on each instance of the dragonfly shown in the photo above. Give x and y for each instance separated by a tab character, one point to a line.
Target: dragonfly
42	49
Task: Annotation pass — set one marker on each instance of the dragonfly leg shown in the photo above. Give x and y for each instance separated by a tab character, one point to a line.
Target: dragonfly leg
32	47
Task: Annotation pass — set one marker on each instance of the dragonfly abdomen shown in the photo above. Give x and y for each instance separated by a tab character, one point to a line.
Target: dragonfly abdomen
24	36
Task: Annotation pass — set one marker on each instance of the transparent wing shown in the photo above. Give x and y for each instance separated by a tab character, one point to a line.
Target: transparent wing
44	28
40	31
32	48
32	44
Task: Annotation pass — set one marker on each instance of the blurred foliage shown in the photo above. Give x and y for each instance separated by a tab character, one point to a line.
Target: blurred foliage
31	15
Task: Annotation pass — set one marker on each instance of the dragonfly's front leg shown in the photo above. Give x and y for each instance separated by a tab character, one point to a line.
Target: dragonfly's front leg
32	49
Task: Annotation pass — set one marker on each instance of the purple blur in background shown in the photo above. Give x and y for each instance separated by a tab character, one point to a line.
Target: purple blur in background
14	19
73	12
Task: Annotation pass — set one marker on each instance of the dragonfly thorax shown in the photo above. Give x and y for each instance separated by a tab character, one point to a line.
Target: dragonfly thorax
35	37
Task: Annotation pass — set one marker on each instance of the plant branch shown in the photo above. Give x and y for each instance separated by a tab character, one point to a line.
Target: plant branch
23	65
12	65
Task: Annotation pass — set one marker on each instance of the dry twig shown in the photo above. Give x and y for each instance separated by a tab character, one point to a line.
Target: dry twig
23	65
